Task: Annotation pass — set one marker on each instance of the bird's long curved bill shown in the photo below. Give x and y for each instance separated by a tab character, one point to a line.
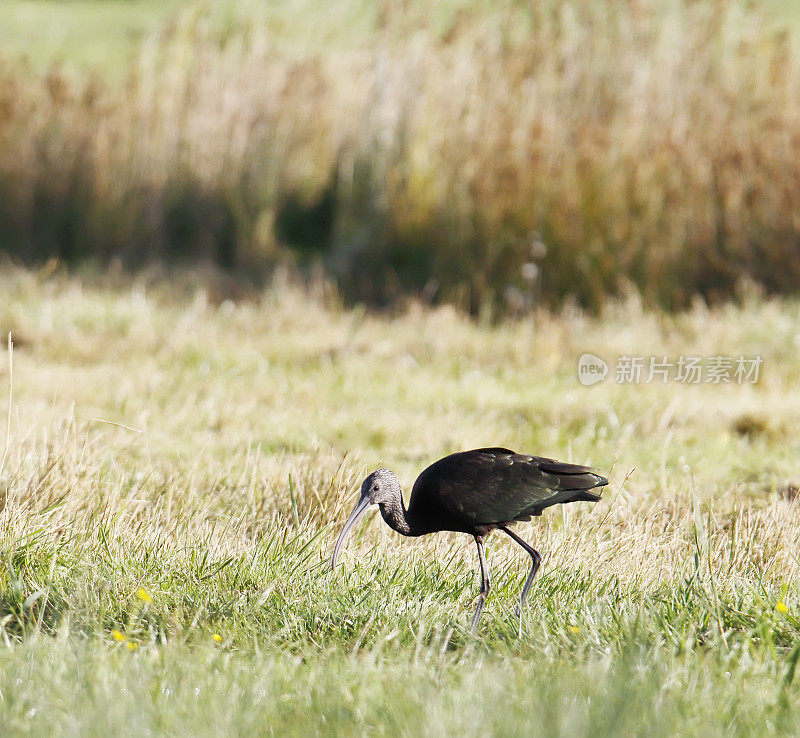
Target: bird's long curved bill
361	508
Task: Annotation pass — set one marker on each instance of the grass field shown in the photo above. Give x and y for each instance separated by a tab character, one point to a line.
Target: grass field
103	36
178	451
95	36
169	574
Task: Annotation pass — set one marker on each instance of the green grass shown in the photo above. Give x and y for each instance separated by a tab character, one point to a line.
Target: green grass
103	36
168	577
86	35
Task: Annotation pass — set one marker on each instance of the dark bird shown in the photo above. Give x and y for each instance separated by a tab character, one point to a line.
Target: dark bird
475	492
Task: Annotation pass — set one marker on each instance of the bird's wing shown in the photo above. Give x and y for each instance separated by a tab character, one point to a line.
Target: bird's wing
496	485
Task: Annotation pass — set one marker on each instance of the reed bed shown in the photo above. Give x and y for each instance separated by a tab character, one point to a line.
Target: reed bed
493	158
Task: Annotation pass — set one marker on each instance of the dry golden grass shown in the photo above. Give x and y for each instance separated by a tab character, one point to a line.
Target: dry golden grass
206	411
500	157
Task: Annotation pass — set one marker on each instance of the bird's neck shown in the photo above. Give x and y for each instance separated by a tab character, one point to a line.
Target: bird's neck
397	517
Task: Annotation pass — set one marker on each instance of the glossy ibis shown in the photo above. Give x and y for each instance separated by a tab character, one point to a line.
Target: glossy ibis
475	492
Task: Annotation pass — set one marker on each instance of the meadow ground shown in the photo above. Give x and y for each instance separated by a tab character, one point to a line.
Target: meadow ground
170	573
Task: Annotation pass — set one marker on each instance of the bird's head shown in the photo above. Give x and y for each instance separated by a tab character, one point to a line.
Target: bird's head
379	488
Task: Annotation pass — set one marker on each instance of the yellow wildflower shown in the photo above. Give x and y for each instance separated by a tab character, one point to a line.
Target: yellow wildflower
132	646
217	638
143	595
117	636
781	607
574	629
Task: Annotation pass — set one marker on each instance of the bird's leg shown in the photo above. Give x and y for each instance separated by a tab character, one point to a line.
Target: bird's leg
484	584
534	567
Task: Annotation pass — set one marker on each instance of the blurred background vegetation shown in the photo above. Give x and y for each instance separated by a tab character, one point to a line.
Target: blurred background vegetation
492	155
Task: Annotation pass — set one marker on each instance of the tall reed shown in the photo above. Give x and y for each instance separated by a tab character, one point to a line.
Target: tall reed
544	151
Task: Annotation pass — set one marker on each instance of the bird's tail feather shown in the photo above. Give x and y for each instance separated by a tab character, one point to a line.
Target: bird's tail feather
574	483
585	496
586	480
572	476
580	494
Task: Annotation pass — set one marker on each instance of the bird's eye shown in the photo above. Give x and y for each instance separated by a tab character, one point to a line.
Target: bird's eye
376	488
